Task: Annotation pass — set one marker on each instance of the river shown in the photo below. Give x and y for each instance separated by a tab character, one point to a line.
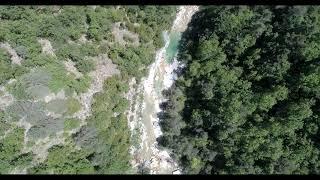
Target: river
146	97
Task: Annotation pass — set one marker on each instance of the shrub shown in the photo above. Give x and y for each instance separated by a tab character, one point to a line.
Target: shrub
10	148
70	124
58	106
73	106
85	66
64	160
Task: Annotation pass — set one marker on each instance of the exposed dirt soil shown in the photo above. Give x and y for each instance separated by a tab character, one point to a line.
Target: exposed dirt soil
15	58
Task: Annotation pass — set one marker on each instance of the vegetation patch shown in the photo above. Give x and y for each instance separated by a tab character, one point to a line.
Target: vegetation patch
71	124
247	101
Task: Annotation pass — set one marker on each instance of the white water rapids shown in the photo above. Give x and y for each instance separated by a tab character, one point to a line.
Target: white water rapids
142	116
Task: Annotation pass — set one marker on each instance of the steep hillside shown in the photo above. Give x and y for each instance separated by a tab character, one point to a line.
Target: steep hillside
64	75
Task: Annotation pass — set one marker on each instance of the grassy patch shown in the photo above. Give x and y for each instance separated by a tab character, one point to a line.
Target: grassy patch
73	106
58	106
70	124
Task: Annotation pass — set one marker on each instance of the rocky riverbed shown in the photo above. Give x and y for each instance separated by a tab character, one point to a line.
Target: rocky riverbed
142	117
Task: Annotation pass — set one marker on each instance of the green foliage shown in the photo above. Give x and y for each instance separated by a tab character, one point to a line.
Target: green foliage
64	160
73	106
111	147
33	112
7	70
46	127
86	138
129	61
10	151
58	106
153	20
70	124
32	85
22	160
247	100
85	66
18	91
60	79
39	61
4	125
80	85
100	21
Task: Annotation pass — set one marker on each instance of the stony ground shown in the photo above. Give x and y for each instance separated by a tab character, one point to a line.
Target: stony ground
14	56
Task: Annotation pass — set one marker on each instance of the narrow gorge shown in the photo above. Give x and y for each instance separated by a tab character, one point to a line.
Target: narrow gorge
145	100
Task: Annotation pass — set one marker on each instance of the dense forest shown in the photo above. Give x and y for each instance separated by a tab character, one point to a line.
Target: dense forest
49	57
247	100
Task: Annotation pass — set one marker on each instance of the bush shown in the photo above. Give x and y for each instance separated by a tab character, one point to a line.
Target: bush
64	160
70	124
6	69
4	125
10	148
32	85
85	66
86	138
58	106
81	85
48	126
60	79
33	112
73	106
